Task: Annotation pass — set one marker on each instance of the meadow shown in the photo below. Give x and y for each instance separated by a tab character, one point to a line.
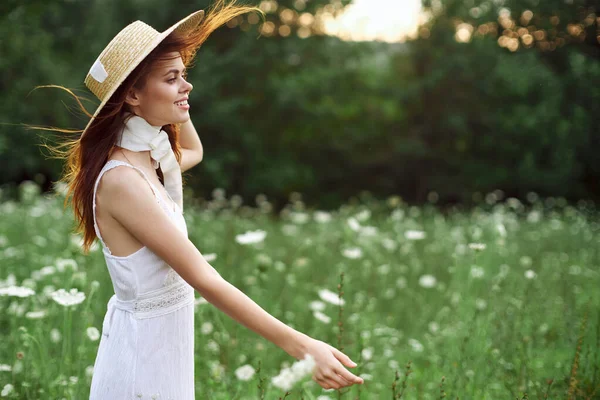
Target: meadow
495	301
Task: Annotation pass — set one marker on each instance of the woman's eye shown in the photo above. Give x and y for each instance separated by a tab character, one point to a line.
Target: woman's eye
172	80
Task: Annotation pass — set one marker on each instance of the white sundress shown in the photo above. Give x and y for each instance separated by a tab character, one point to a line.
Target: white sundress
146	350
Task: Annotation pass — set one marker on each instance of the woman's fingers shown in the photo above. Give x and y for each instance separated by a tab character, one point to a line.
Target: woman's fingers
344	359
349	376
326	383
336	380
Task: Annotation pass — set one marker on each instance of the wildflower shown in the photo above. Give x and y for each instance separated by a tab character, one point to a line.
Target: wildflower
36	314
210	257
480	304
47	270
477	272
401	282
353	253
5	367
427	281
299	218
525	261
316	305
245	372
368	231
384	269
8	389
416	345
353	224
530	274
322	217
93	333
477	246
363	215
251	237
501	229
55	335
288	377
16	291
389	244
322	317
434	327
206	328
367	353
289	230
70	298
63	263
414	235
330	297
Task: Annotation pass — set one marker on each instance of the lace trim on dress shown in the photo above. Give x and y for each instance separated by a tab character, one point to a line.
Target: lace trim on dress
178	294
171	277
158	302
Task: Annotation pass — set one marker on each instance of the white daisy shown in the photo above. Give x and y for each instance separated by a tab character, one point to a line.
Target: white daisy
288	377
7	389
36	314
427	281
363	215
331	297
367	353
93	333
477	246
353	224
251	237
477	272
316	305
299	217
16	291
414	235
416	345
530	274
322	217
322	317
206	328
70	298
353	253
210	257
245	372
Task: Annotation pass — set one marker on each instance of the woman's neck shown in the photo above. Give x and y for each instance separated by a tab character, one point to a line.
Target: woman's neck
136	158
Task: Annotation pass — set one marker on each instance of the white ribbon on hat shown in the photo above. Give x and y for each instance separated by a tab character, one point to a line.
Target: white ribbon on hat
139	135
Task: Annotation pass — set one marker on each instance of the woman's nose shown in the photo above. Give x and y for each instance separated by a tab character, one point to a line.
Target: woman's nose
188	87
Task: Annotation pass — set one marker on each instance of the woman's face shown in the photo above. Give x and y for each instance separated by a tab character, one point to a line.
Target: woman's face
163	99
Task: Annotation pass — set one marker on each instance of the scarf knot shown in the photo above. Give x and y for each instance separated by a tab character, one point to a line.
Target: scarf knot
138	135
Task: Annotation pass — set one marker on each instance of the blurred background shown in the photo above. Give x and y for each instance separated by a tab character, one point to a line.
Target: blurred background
439	100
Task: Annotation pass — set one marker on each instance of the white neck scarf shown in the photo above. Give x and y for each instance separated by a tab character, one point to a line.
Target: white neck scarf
139	135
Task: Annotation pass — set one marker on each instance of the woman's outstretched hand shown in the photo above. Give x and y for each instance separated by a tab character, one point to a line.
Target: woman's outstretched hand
329	371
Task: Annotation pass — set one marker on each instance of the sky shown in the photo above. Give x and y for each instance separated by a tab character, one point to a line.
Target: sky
386	20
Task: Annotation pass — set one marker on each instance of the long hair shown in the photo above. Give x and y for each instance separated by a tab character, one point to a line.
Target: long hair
86	155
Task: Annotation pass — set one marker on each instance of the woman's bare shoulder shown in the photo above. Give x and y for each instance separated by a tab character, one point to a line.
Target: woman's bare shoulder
134	206
116	183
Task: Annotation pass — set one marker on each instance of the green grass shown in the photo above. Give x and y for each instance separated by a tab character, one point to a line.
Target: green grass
518	319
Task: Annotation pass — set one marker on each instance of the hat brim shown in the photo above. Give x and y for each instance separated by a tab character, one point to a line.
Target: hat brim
185	25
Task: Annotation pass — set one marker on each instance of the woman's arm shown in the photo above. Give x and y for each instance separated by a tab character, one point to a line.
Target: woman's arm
135	207
192	151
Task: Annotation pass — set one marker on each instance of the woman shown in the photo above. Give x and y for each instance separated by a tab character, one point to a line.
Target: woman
124	173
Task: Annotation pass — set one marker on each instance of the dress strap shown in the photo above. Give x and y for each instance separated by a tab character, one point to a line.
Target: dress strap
108	166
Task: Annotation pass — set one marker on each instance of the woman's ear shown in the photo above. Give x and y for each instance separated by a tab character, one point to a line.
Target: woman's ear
132	98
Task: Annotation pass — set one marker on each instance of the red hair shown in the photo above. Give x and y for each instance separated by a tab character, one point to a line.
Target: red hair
86	155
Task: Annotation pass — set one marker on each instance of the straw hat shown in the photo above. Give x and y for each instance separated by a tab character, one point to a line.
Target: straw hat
125	52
